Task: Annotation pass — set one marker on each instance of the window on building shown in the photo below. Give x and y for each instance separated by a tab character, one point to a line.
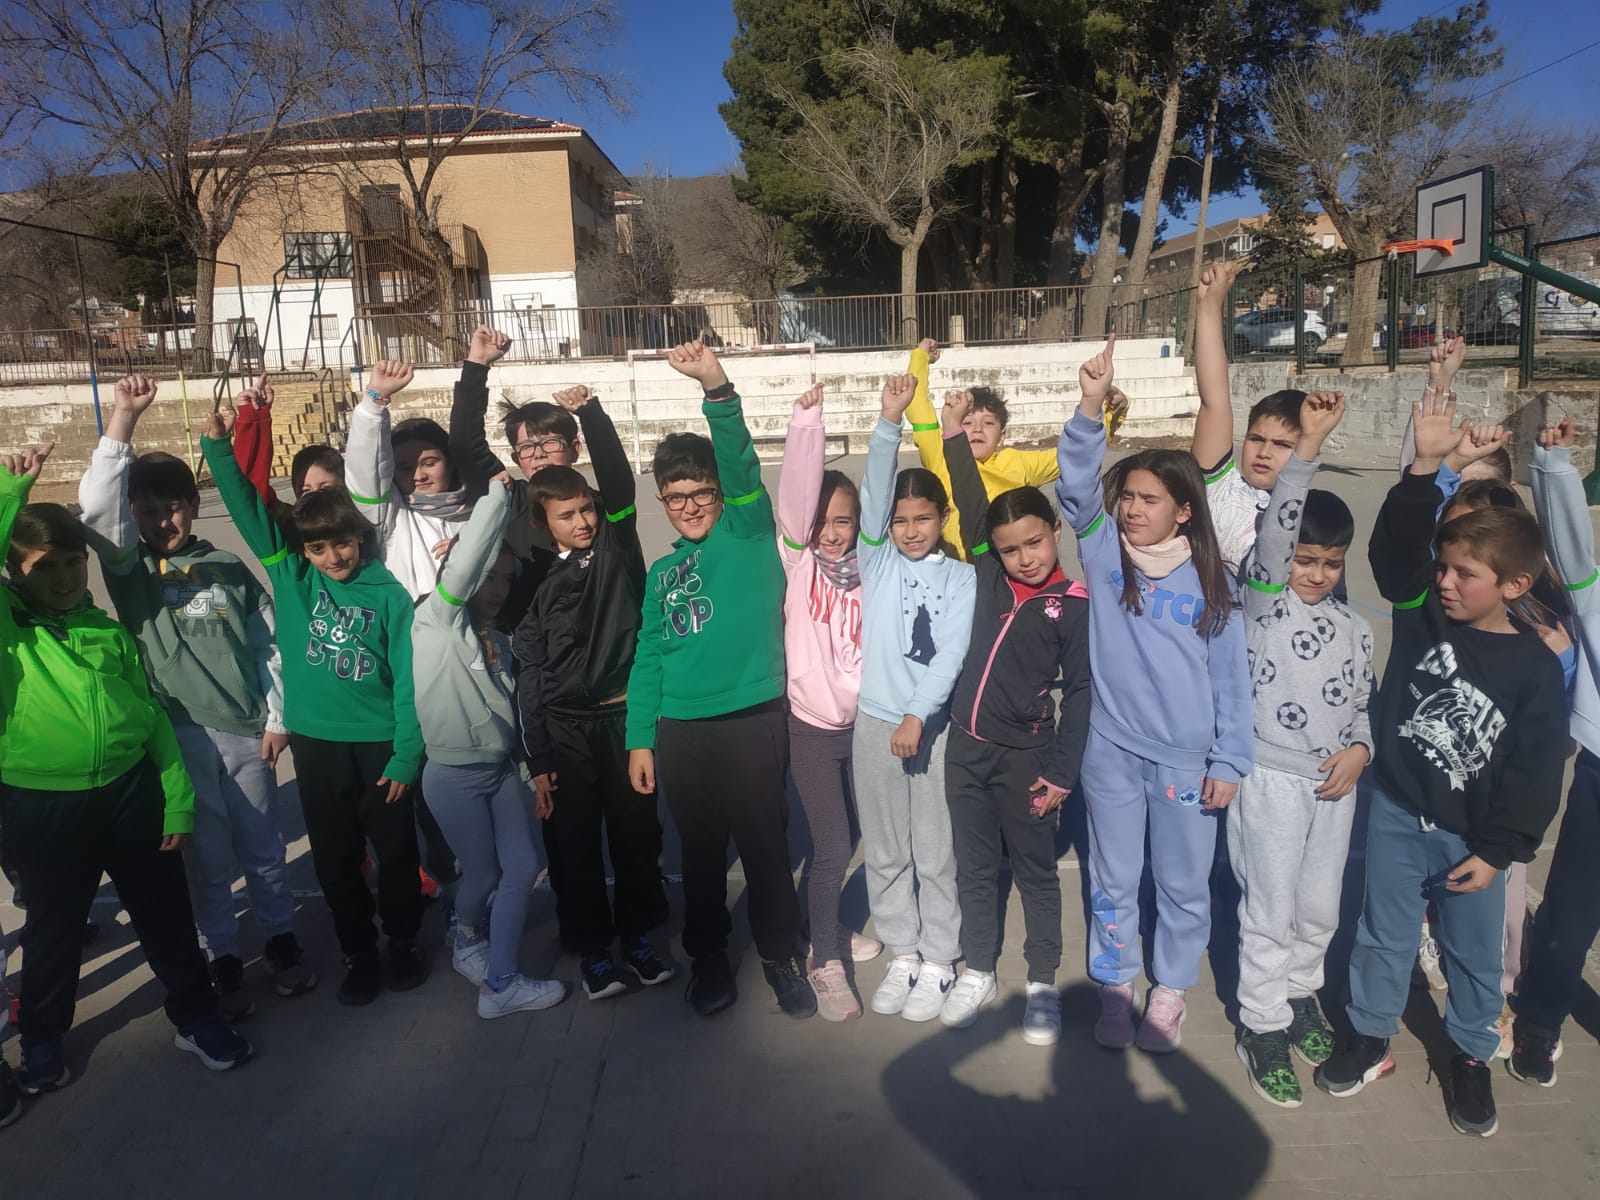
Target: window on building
1246	242
1327	241
317	255
328	329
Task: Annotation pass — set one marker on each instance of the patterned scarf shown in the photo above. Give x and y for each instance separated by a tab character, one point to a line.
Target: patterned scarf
843	573
1161	559
442	506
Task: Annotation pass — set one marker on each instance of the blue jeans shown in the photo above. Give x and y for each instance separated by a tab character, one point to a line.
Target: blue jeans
1566	924
1406	867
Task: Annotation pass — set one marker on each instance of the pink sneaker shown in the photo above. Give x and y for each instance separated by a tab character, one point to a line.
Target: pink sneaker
835	1000
1161	1030
1114	1029
864	948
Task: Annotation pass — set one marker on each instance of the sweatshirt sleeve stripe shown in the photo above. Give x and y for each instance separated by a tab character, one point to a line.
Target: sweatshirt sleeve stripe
924	426
791	545
980	548
1417	603
1220	471
747	498
273	560
448	598
1270	589
1093	525
872	541
623	515
1589	582
367	499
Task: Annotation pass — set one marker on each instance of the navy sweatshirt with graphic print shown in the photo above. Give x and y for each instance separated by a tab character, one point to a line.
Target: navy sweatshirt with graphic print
1470	726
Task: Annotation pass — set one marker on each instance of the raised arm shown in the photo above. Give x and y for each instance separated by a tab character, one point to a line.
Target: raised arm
1267	573
474	462
368	454
1213	425
18	473
103	490
800	481
261	532
747	509
1401	549
883	457
926	432
966	485
613	473
1081	451
252	438
1563	508
473	556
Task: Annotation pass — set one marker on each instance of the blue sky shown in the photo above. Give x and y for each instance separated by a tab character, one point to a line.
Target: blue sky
670	55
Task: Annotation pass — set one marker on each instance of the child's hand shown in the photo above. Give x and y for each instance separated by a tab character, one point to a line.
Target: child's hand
956	407
930	347
27	462
1562	436
1319	416
1554	637
1116	406
1343	768
396	790
1047	797
906	739
442	547
174	841
810	398
1444	360
573	398
487	346
272	745
1216	281
1214	793
642	771
698	362
898	391
389	377
135	393
258	395
1472	874
219	424
1479	441
544	792
1095	376
1434	430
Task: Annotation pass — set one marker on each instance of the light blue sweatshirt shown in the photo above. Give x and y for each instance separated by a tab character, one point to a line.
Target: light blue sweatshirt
916	616
1569	538
1159	690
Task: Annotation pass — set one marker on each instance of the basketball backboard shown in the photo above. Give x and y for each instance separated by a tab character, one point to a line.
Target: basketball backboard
1460	210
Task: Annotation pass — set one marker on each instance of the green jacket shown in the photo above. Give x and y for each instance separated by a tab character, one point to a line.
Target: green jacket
346	645
711	632
75	709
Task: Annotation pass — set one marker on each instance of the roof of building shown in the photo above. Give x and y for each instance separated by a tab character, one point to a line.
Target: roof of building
411	121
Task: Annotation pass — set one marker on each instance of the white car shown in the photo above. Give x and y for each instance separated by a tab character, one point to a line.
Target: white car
1273	329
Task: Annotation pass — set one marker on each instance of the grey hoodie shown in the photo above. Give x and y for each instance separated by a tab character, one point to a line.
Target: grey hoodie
1569	537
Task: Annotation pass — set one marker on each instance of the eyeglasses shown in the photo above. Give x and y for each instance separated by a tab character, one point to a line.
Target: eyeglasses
547	446
701	497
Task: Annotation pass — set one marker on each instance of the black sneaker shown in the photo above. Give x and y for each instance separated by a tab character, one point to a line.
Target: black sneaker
1533	1056
790	984
286	963
1350	1068
711	986
601	977
407	968
1309	1034
10	1095
363	978
1266	1059
43	1068
1471	1097
227	978
640	957
214	1043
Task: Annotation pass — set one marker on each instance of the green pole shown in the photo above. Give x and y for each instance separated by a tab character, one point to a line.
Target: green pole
1545	273
1391	343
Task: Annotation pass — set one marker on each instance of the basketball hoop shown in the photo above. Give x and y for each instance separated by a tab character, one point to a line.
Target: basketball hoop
1442	245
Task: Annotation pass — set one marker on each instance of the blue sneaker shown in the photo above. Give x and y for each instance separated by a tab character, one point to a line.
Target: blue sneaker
43	1068
214	1042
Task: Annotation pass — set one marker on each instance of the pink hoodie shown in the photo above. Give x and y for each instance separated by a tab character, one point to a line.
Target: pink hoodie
822	624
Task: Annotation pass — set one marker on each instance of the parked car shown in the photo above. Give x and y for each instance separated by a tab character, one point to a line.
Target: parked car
1273	329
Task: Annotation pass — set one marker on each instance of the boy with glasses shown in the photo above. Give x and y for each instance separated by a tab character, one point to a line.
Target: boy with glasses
705	697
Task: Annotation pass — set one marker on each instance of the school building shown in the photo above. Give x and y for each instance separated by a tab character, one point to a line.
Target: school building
521	200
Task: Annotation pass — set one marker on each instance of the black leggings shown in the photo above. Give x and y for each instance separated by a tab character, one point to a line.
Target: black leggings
819	762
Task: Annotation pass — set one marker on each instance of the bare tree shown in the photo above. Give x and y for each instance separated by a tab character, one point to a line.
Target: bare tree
726	244
1544	176
883	156
190	94
434	72
637	261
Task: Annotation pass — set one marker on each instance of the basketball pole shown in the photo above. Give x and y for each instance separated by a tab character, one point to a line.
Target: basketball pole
1545	273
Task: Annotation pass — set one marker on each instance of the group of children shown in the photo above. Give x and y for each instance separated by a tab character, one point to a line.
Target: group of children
892	651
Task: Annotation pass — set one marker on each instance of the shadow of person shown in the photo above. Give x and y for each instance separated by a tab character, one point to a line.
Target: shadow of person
1096	1122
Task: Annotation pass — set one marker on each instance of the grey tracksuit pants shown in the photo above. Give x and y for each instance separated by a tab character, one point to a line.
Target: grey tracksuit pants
1288	850
906	840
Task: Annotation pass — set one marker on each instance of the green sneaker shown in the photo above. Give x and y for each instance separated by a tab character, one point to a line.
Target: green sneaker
1309	1033
1266	1057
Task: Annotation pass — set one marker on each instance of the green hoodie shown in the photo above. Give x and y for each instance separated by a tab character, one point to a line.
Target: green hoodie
75	710
346	645
711	638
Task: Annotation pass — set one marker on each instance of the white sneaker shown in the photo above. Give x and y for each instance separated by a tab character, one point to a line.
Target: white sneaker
472	961
928	994
898	981
1041	1023
520	995
972	991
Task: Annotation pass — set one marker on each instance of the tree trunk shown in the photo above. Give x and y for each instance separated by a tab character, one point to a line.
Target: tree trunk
1200	231
1098	302
988	225
1150	208
1005	258
1073	184
205	286
910	251
1363	307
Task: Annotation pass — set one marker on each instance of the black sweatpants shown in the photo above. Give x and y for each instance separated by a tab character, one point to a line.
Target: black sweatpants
59	844
725	777
989	789
345	808
593	794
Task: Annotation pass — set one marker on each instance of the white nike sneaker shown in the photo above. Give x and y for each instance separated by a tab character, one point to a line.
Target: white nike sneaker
926	1000
471	961
972	991
897	983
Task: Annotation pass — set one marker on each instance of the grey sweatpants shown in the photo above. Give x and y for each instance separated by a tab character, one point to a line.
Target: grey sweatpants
906	840
1288	850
